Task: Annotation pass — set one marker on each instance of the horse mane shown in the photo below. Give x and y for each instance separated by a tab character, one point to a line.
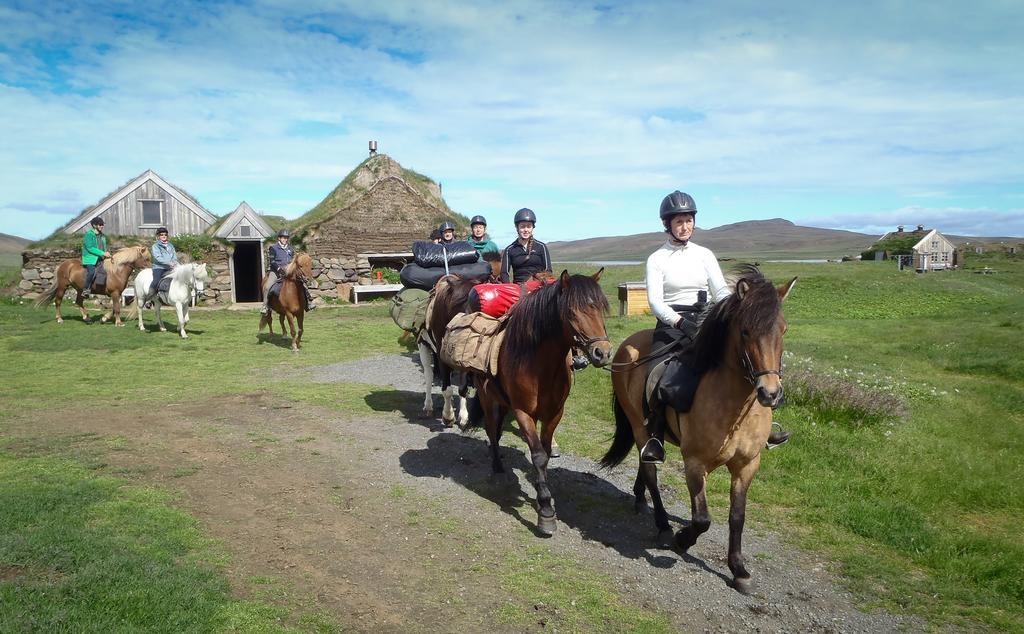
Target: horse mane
289	269
127	255
491	256
537	314
755	312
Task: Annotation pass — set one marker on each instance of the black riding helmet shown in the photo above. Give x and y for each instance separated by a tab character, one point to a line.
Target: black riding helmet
97	222
674	204
447	225
161	230
478	220
525	215
283	233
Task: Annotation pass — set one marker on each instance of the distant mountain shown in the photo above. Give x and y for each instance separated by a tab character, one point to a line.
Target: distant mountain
751	239
11	248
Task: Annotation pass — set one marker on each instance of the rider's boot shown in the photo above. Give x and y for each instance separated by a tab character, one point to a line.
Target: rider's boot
777	438
653	450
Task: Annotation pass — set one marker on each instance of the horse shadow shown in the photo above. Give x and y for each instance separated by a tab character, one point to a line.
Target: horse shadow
407	403
279	340
598	509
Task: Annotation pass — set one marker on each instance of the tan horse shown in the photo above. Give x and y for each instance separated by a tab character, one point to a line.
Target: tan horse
739	352
71	272
290	300
534	376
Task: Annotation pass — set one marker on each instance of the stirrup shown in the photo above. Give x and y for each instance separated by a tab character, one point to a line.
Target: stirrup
653	451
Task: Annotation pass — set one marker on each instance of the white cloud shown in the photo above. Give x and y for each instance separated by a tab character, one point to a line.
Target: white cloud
549	102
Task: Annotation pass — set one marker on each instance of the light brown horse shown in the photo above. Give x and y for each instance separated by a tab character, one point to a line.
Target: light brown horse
71	272
534	376
290	301
738	350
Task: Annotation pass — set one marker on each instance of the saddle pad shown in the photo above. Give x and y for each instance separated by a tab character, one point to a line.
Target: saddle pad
100	280
165	283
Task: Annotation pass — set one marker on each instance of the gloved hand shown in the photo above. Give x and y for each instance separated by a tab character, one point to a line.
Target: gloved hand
580	361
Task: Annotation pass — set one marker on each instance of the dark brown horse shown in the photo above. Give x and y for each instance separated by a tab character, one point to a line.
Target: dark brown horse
290	300
534	376
118	268
738	350
448	299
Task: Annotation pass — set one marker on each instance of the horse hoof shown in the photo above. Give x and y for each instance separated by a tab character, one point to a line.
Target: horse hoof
684	541
665	538
743	585
163	330
547	525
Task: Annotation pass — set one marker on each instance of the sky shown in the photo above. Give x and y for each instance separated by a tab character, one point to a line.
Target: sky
858	115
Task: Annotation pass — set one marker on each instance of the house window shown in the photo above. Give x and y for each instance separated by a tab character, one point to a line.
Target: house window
935	245
152	212
244	231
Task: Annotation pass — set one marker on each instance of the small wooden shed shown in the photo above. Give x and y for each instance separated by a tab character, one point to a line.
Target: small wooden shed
633	299
247	230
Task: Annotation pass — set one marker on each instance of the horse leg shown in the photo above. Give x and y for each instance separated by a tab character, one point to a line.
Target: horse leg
447	412
463	400
298	319
742	476
546	521
700	520
647	480
280	319
181	319
158	315
59	297
291	329
427	363
115	307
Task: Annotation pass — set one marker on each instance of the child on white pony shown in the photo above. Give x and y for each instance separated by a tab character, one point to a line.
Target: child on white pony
184	278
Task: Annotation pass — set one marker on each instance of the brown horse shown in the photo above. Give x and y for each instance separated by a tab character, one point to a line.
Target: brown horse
118	268
290	300
534	376
738	351
448	299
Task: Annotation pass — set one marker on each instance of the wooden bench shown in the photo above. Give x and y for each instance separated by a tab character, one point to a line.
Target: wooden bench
372	289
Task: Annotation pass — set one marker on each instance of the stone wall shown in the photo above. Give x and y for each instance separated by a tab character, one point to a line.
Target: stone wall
40	265
333	277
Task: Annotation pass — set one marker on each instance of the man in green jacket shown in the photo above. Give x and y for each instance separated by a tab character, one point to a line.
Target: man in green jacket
478	236
94	249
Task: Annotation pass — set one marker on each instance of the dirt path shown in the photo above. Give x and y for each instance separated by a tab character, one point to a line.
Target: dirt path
390	524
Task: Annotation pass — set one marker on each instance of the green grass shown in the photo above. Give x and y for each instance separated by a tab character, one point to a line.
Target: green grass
85	553
921	509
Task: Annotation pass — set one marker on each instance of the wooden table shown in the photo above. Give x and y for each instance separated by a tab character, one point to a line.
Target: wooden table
363	289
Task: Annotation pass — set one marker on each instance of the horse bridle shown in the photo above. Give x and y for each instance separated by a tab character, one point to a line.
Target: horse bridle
753	376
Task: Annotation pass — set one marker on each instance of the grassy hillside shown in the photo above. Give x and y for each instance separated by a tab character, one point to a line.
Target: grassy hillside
10	250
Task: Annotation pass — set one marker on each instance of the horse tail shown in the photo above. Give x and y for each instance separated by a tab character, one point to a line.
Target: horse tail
623	440
133	309
47	297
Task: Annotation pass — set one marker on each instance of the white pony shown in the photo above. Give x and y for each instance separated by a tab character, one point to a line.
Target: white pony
184	278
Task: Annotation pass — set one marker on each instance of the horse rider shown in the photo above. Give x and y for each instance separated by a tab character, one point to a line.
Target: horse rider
165	258
94	250
478	236
680	274
447	230
525	256
281	254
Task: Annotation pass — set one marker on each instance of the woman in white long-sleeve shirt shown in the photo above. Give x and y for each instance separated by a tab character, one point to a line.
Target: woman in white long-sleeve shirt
681	277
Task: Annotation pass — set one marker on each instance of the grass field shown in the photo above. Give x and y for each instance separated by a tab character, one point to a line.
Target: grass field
904	466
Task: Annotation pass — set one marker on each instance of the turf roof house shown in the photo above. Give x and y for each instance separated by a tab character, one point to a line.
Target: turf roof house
370	219
928	249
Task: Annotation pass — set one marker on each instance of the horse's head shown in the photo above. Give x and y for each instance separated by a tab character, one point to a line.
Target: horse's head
757	327
583	306
494	259
137	257
301	267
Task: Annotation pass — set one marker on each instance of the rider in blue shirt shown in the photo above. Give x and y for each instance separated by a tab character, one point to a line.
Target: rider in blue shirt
165	258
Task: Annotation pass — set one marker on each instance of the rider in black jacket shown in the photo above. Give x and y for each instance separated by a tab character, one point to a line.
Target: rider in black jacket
525	256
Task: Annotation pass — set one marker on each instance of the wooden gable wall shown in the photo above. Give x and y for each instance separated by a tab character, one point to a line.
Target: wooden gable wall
124	217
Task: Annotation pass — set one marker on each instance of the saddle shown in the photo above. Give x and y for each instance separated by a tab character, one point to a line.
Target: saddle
673	378
100	280
275	288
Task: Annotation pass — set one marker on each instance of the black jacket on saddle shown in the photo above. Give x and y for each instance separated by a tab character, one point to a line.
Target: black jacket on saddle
518	263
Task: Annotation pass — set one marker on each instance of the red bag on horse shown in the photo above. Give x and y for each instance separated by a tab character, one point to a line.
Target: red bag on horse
496	299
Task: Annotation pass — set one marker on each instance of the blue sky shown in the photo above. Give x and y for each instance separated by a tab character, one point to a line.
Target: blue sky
857	116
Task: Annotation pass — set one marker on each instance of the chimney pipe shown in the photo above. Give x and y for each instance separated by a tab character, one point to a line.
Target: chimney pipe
899	229
373	148
920	227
